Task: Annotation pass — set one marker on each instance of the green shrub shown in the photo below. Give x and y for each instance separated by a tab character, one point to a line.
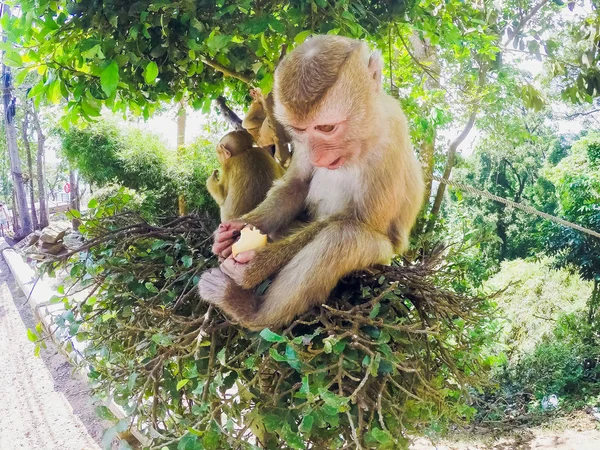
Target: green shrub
192	167
533	296
565	362
389	356
107	155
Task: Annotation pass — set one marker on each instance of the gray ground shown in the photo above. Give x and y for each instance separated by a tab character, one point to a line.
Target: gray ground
43	406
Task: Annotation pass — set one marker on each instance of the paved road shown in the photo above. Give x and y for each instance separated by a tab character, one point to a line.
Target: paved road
42	406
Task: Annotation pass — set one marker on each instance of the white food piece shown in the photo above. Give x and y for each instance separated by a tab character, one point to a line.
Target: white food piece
249	240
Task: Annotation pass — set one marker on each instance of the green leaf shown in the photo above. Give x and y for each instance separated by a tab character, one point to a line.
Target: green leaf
162	339
12	59
31	335
182	383
375	311
150	286
93	204
333	400
221	356
189	442
269	336
54	93
74	213
292	357
109	79
276	356
187	261
217	42
383	437
151	72
302	36
106	414
305	388
306	424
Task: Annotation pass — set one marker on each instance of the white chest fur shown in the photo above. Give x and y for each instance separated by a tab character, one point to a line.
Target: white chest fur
332	190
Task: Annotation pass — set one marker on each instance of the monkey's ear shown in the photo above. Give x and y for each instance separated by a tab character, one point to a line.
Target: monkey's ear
225	151
375	69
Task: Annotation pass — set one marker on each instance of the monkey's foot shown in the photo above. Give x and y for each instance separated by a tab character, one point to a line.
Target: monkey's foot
218	289
213	286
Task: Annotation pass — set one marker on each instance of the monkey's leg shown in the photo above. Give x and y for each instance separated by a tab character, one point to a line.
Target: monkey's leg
215	287
313	272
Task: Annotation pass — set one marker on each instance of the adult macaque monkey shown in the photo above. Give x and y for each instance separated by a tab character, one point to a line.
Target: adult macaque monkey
353	170
247	173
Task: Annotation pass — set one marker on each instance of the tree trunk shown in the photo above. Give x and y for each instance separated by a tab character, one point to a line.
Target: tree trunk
594	302
74	197
15	214
181	119
231	117
427	152
20	206
41	170
24	131
439	196
13	150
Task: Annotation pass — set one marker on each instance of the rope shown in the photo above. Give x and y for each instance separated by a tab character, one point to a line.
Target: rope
521	206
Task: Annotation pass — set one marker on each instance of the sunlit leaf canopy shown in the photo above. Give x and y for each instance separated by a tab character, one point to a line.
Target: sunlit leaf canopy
134	54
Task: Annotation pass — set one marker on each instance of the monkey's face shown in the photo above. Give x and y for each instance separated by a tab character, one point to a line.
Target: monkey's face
326	141
334	134
324	95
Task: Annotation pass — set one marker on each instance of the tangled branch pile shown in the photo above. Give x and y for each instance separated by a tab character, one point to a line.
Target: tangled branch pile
388	356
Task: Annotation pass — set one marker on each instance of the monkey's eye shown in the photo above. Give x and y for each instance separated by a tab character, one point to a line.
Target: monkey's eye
298	130
325	128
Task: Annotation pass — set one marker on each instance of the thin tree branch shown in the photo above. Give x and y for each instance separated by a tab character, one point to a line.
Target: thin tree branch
524	21
224	70
231	117
586	113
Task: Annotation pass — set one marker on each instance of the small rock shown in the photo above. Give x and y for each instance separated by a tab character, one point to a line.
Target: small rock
34	237
52	234
52	249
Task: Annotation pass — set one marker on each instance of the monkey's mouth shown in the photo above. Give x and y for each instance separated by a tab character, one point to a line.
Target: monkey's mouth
337	163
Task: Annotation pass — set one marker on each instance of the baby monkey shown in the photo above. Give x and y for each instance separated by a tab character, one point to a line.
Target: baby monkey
247	173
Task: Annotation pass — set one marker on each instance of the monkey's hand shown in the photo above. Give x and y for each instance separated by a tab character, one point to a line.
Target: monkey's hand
225	236
240	268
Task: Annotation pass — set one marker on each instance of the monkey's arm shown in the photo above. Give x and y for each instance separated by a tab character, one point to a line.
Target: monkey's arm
267	260
284	202
216	188
255	117
336	249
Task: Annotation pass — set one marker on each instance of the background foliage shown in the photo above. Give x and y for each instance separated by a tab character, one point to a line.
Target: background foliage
105	153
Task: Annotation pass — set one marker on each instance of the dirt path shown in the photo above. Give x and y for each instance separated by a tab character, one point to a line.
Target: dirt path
576	432
42	406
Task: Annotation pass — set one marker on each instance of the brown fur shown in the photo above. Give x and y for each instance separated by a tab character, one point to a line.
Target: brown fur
263	127
361	211
255	118
311	70
245	178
